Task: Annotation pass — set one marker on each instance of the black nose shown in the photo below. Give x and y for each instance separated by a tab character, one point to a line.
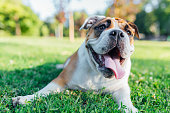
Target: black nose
116	33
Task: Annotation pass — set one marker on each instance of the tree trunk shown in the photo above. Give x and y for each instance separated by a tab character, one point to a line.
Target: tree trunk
60	30
71	27
17	29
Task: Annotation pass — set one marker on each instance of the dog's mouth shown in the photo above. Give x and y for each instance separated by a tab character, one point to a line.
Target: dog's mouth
110	64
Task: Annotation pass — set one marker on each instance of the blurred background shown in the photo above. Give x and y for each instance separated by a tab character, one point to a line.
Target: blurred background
63	18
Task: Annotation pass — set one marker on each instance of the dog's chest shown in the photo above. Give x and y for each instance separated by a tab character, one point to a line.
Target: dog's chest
90	80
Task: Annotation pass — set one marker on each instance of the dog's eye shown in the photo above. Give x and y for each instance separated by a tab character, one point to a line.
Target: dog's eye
108	23
102	27
99	29
128	32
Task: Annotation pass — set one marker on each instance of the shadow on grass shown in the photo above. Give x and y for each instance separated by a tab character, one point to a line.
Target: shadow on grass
28	81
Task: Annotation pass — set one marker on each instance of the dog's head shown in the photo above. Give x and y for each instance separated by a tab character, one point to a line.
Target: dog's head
109	42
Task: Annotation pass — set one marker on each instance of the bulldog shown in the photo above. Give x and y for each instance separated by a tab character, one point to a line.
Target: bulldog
102	61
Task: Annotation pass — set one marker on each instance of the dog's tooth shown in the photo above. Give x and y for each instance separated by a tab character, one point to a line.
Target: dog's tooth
100	57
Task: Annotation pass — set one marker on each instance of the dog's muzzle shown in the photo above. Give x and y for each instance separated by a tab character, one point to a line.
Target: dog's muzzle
115	34
110	52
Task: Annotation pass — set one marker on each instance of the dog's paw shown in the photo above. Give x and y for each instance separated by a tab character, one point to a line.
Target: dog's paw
21	100
131	110
134	110
18	100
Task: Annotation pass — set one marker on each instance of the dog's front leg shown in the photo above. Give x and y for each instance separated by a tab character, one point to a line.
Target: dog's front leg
122	97
52	87
57	85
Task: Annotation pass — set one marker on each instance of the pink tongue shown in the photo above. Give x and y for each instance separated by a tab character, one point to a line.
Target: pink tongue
115	66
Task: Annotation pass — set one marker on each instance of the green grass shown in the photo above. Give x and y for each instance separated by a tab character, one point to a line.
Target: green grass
27	65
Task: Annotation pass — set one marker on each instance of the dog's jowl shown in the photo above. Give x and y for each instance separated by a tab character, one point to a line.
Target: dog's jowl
102	61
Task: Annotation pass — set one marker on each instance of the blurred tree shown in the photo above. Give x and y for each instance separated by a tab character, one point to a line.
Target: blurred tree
61	10
60	14
51	26
18	19
66	31
61	19
79	18
44	30
126	9
156	19
162	14
144	21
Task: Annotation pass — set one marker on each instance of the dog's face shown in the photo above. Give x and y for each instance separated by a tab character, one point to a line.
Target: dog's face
109	42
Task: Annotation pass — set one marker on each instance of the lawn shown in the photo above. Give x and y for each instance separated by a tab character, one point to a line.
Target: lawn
27	65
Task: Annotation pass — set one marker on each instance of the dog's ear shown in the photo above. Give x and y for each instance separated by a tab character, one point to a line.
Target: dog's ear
91	21
136	29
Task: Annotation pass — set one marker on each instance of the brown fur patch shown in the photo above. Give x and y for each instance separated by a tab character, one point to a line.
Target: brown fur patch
67	73
122	24
135	28
91	34
131	40
132	33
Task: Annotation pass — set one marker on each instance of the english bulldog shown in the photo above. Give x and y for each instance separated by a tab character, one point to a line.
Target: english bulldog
102	61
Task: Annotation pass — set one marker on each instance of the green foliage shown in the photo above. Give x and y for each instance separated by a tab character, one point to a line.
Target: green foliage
51	27
66	32
163	16
13	13
144	21
27	65
159	15
79	18
4	33
44	31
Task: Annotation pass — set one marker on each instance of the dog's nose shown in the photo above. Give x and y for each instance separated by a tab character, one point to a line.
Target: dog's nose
116	33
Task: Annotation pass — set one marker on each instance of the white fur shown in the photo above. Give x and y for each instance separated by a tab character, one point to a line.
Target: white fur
50	88
115	24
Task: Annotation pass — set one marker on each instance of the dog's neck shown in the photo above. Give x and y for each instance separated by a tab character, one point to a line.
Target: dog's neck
83	53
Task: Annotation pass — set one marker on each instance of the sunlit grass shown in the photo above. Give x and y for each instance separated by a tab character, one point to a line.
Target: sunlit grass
27	65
